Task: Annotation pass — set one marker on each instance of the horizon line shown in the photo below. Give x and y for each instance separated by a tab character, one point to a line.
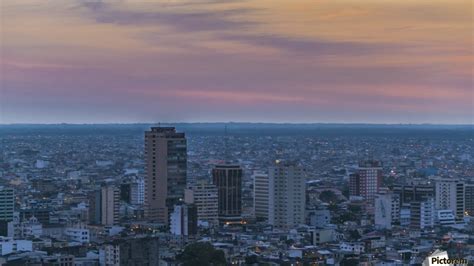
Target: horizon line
237	122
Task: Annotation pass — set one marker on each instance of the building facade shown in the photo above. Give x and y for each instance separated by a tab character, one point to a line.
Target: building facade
422	214
110	205
104	205
414	191
469	199
260	195
166	167
7	207
204	195
287	197
228	180
137	192
387	210
366	181
184	220
450	196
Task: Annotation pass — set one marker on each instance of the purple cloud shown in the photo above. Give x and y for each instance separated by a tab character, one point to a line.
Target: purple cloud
182	21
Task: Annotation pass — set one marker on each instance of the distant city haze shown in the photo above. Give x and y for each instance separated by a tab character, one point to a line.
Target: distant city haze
249	61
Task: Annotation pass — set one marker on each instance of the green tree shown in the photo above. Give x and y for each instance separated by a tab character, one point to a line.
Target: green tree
253	259
355	209
328	196
354	234
201	253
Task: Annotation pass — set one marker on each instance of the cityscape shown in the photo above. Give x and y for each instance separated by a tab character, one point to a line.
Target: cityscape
235	194
236	132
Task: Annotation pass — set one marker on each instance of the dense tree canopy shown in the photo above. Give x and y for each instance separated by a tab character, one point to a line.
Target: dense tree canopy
201	254
328	196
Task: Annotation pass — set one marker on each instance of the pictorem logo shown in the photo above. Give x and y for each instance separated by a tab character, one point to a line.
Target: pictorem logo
440	257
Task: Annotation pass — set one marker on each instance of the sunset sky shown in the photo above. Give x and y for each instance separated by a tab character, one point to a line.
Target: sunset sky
375	61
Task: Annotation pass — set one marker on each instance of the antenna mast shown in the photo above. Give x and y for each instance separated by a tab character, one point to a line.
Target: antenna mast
226	149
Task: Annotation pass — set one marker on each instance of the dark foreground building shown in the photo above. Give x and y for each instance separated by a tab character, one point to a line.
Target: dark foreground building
228	180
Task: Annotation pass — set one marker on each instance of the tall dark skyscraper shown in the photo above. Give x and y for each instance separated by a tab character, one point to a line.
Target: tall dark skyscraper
228	180
166	167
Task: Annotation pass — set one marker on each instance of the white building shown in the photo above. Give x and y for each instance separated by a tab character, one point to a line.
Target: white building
405	215
387	210
184	220
40	164
422	213
319	218
260	195
204	195
355	248
319	236
77	233
287	195
8	245
450	196
31	228
445	217
109	255
137	191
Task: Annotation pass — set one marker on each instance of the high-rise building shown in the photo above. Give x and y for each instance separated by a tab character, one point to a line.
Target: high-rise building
95	207
110	205
422	213
7	206
204	195
260	195
366	181
125	192
7	203
166	167
287	195
104	205
415	190
405	214
354	185
133	191
184	220
228	180
469	199
450	196
387	210
137	191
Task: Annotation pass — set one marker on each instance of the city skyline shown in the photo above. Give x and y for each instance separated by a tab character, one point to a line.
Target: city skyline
162	195
245	61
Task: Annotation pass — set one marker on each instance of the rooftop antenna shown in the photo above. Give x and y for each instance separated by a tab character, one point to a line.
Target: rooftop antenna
226	150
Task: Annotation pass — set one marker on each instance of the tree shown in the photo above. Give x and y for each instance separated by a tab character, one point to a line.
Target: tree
289	242
355	209
349	261
328	196
354	234
251	260
201	253
347	216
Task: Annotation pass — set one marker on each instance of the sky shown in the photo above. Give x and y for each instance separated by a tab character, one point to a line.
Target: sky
342	61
